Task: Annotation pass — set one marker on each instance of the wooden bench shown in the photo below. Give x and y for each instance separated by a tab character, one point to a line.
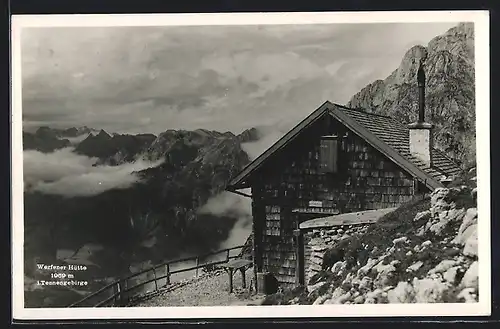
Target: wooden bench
234	265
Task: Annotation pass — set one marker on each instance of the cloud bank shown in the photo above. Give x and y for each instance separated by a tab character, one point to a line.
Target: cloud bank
66	173
230	204
268	136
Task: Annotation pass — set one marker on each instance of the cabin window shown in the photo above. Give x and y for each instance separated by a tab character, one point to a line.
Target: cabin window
328	154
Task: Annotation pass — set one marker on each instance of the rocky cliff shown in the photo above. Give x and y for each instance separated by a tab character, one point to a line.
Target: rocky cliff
450	91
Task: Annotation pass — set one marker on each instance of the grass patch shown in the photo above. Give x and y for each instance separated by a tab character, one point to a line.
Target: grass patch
380	235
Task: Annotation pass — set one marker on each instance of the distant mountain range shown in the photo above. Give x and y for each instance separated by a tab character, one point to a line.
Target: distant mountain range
450	91
46	139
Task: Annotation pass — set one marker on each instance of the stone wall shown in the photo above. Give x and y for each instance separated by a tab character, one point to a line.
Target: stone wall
317	241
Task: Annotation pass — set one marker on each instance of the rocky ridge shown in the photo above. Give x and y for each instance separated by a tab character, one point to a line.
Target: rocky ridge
46	139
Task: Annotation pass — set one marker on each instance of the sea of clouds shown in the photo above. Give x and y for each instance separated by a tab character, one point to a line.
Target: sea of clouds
64	172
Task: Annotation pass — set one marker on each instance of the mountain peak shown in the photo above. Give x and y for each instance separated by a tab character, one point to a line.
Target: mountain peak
44	130
459	41
103	134
249	135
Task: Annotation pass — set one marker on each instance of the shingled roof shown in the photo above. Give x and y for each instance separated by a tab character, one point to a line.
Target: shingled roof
384	133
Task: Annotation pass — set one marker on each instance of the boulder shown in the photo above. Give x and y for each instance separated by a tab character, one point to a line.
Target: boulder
443	266
468	295
403	293
438	201
375	296
370	300
462	238
445	218
442	199
426	244
368	266
469	219
366	284
470	248
385	274
451	274
339	267
359	299
423	215
473	193
471	277
344	298
321	299
429	290
414	267
349	278
421	231
337	293
400	241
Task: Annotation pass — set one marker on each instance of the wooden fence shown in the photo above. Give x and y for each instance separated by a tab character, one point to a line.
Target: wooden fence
119	293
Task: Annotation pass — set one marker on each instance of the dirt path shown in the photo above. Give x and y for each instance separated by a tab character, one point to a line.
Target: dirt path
207	291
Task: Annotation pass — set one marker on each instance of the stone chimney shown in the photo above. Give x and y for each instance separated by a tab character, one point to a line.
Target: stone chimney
421	139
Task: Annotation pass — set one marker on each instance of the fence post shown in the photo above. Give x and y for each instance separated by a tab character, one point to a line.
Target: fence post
154	276
299	257
197	265
227	254
167	270
116	291
118	297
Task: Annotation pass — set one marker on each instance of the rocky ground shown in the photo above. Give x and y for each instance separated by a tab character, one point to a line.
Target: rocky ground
209	290
424	252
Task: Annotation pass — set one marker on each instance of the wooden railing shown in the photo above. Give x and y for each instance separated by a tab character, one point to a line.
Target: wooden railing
119	293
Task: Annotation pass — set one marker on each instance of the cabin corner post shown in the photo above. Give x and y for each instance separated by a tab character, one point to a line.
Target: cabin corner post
254	249
257	214
299	256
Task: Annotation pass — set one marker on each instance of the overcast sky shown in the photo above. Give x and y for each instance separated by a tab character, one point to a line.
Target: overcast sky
227	78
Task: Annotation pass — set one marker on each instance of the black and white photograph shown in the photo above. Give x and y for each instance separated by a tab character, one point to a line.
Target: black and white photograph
251	165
